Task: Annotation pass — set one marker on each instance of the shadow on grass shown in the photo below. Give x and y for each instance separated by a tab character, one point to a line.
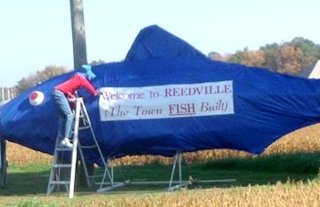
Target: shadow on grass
260	170
25	183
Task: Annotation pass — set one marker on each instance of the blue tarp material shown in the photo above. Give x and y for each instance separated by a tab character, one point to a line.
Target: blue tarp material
266	105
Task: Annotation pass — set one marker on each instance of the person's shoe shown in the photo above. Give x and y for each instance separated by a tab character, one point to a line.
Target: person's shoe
66	143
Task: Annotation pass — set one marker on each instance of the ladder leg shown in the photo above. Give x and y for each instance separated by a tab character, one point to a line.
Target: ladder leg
74	150
90	182
51	187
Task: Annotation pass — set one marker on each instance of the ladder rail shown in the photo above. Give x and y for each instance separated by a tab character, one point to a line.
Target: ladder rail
53	172
75	145
85	112
84	166
106	174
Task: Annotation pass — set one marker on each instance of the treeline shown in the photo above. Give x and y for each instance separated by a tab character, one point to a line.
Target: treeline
33	79
48	72
288	57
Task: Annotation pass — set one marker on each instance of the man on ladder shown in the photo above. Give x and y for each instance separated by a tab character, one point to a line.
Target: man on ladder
64	96
65	93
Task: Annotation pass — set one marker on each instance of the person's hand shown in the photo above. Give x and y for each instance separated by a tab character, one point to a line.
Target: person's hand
71	98
99	92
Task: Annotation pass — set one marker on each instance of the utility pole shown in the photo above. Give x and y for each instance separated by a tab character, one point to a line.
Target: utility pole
79	55
78	33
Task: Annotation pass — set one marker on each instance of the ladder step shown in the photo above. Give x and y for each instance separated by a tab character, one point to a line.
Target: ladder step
84	127
88	146
63	149
95	176
59	182
61	165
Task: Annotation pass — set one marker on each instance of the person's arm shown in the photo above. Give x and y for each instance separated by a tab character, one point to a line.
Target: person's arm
86	84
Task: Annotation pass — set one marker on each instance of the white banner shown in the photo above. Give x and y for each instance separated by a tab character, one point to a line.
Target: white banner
166	101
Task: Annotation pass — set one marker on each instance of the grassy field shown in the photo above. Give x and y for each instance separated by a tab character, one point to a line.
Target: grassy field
280	176
286	174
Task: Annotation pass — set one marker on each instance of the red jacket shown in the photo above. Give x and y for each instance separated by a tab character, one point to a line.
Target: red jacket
74	83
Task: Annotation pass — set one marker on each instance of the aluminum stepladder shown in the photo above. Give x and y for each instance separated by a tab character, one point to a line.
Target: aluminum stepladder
66	158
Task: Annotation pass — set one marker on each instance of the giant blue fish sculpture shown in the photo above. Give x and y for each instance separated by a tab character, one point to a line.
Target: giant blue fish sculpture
165	97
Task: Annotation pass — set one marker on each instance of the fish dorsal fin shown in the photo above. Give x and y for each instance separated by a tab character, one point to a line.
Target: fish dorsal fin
155	42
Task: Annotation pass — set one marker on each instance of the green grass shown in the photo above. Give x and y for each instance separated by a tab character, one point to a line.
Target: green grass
27	184
293	163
